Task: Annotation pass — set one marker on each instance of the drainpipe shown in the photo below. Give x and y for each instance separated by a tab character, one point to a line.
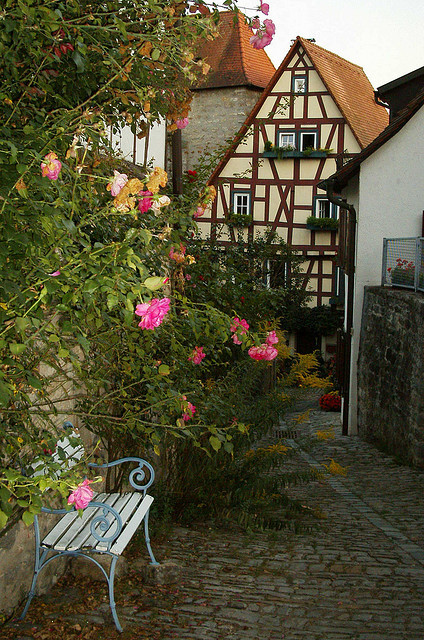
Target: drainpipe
351	231
177	163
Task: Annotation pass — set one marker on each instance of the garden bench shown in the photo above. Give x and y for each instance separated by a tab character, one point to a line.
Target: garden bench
107	524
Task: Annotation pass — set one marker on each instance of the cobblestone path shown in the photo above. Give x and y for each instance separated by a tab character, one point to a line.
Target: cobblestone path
360	577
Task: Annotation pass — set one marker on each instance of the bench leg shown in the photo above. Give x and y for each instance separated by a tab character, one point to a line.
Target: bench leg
39	560
147	538
112	603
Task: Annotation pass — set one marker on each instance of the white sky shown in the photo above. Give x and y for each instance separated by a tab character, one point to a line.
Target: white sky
385	37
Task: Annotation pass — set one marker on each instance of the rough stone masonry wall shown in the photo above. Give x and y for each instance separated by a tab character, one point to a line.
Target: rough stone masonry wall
215	116
17	550
391	372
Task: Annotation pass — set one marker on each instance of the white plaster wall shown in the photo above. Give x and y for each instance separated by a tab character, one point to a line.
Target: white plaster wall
124	144
389	205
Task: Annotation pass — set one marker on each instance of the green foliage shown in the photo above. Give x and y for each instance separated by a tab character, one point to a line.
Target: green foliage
74	262
329	224
248	488
322	320
260	281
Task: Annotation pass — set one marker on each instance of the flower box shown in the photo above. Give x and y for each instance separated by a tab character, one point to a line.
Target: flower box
322	224
239	220
294	154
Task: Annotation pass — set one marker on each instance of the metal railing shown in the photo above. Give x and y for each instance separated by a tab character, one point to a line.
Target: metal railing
403	263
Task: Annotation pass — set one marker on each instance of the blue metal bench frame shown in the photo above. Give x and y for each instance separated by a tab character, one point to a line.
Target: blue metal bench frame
105	528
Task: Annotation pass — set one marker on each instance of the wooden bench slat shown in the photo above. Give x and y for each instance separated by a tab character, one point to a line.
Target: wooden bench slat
87	541
77	535
69	524
132	525
126	511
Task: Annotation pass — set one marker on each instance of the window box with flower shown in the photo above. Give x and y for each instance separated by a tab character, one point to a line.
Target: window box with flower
315	223
289	151
239	219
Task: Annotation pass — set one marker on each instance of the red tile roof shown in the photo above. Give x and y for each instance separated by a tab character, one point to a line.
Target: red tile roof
351	90
340	179
233	60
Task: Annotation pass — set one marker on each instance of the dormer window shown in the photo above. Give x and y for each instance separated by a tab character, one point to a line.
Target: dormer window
308	140
286	140
299	84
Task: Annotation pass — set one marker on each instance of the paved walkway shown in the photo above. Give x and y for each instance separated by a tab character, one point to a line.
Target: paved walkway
361	577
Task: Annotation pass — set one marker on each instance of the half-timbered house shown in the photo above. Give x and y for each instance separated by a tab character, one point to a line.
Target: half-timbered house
317	112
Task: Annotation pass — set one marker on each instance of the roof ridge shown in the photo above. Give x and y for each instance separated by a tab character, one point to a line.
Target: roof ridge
333	55
242	52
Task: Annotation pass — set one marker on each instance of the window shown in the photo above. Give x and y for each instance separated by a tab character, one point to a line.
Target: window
275	273
286	139
241	203
323	208
299	84
308	140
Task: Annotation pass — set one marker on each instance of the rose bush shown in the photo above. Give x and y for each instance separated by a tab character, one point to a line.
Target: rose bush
75	255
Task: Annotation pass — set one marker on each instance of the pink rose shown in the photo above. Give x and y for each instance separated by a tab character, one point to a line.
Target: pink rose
189	412
163	201
199	212
263	35
181	124
264	8
271	338
51	166
263	352
260	40
152	313
81	496
269	27
178	256
197	355
146	201
118	181
239	328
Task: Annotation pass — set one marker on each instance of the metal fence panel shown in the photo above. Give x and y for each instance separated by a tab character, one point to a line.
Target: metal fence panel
400	259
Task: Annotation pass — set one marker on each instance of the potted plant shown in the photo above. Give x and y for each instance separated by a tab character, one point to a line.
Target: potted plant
330	401
403	274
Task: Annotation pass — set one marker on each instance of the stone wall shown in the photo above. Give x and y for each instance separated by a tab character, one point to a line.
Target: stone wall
17	544
17	555
391	372
216	115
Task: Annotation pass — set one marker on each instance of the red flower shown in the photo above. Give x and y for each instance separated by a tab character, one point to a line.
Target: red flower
330	401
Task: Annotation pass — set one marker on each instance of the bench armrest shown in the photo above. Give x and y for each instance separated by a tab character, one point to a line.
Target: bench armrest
100	523
141	477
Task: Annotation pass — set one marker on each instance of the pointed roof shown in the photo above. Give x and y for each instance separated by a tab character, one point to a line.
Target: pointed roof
233	60
348	85
351	90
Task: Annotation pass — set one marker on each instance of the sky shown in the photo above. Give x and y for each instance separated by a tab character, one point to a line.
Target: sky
385	37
